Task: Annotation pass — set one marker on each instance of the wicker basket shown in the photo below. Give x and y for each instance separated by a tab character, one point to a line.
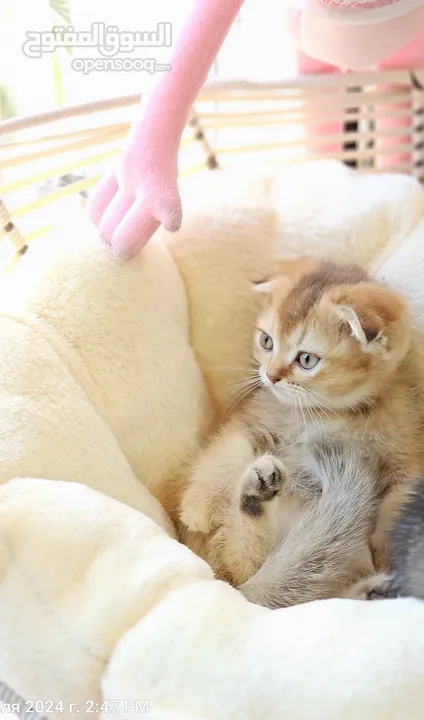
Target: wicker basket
50	162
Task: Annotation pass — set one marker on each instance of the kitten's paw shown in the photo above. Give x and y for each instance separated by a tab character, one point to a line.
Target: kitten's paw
377	587
262	481
381	589
193	515
194	521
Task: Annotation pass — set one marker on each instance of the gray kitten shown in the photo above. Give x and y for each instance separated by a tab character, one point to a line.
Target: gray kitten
407	549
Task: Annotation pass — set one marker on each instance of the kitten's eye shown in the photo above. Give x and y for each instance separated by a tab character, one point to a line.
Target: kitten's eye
266	342
307	361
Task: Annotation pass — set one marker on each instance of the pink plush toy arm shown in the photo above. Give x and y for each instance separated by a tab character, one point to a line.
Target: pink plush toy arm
129	207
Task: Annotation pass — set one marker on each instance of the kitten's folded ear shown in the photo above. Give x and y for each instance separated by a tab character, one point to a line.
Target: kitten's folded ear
376	314
288	271
264	286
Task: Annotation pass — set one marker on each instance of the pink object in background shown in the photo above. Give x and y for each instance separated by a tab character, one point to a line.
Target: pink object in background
307	65
409	57
358	40
358	43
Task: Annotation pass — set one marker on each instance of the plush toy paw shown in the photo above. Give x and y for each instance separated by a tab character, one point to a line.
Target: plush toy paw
127	221
262	482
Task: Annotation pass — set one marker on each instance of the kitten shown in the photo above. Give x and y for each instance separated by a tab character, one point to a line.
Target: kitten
407	548
336	361
406	553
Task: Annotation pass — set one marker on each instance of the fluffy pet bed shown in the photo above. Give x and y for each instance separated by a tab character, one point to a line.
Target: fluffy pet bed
111	373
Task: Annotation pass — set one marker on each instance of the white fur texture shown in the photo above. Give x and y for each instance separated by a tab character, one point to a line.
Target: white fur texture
110	374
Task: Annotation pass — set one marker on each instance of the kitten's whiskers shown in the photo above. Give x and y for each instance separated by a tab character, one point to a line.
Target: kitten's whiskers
303	416
316	420
243	389
314	395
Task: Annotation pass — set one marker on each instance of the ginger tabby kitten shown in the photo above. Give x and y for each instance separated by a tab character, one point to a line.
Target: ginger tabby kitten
294	498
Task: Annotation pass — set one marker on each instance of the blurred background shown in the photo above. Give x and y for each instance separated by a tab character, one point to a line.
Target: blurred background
257	48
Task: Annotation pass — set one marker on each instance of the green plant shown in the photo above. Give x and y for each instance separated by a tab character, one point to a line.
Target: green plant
61	9
7	106
61	14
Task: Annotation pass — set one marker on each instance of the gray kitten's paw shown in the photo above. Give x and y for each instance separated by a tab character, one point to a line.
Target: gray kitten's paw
261	482
380	591
377	587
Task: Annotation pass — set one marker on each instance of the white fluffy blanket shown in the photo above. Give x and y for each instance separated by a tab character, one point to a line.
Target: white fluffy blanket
110	374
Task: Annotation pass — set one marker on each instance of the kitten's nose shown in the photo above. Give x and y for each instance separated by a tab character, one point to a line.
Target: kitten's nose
273	378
